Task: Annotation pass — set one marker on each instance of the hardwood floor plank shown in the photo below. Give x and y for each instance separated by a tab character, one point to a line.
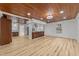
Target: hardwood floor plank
42	46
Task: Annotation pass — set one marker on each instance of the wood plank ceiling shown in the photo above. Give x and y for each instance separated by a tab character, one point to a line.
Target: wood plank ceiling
40	10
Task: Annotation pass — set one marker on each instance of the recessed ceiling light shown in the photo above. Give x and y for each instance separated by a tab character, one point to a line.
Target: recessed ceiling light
64	17
49	17
41	18
61	12
28	14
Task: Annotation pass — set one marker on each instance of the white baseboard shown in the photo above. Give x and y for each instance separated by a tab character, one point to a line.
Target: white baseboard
61	37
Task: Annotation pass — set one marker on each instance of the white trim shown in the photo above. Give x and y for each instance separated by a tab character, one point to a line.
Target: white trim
33	20
13	15
38	21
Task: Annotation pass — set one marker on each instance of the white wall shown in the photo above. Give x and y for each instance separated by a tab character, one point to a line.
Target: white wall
25	29
69	29
21	30
40	27
17	27
30	30
15	24
77	20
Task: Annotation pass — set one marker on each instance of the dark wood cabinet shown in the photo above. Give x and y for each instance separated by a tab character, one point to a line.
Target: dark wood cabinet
15	34
5	31
37	34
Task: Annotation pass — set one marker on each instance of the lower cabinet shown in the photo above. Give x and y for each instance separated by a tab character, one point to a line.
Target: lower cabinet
37	34
15	34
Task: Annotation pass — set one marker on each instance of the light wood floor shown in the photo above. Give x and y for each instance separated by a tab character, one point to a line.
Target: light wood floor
43	46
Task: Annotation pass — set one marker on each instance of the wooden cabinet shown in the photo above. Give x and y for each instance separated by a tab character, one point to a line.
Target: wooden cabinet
15	34
5	31
37	34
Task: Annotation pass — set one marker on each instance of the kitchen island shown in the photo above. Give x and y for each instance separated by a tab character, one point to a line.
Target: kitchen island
37	34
